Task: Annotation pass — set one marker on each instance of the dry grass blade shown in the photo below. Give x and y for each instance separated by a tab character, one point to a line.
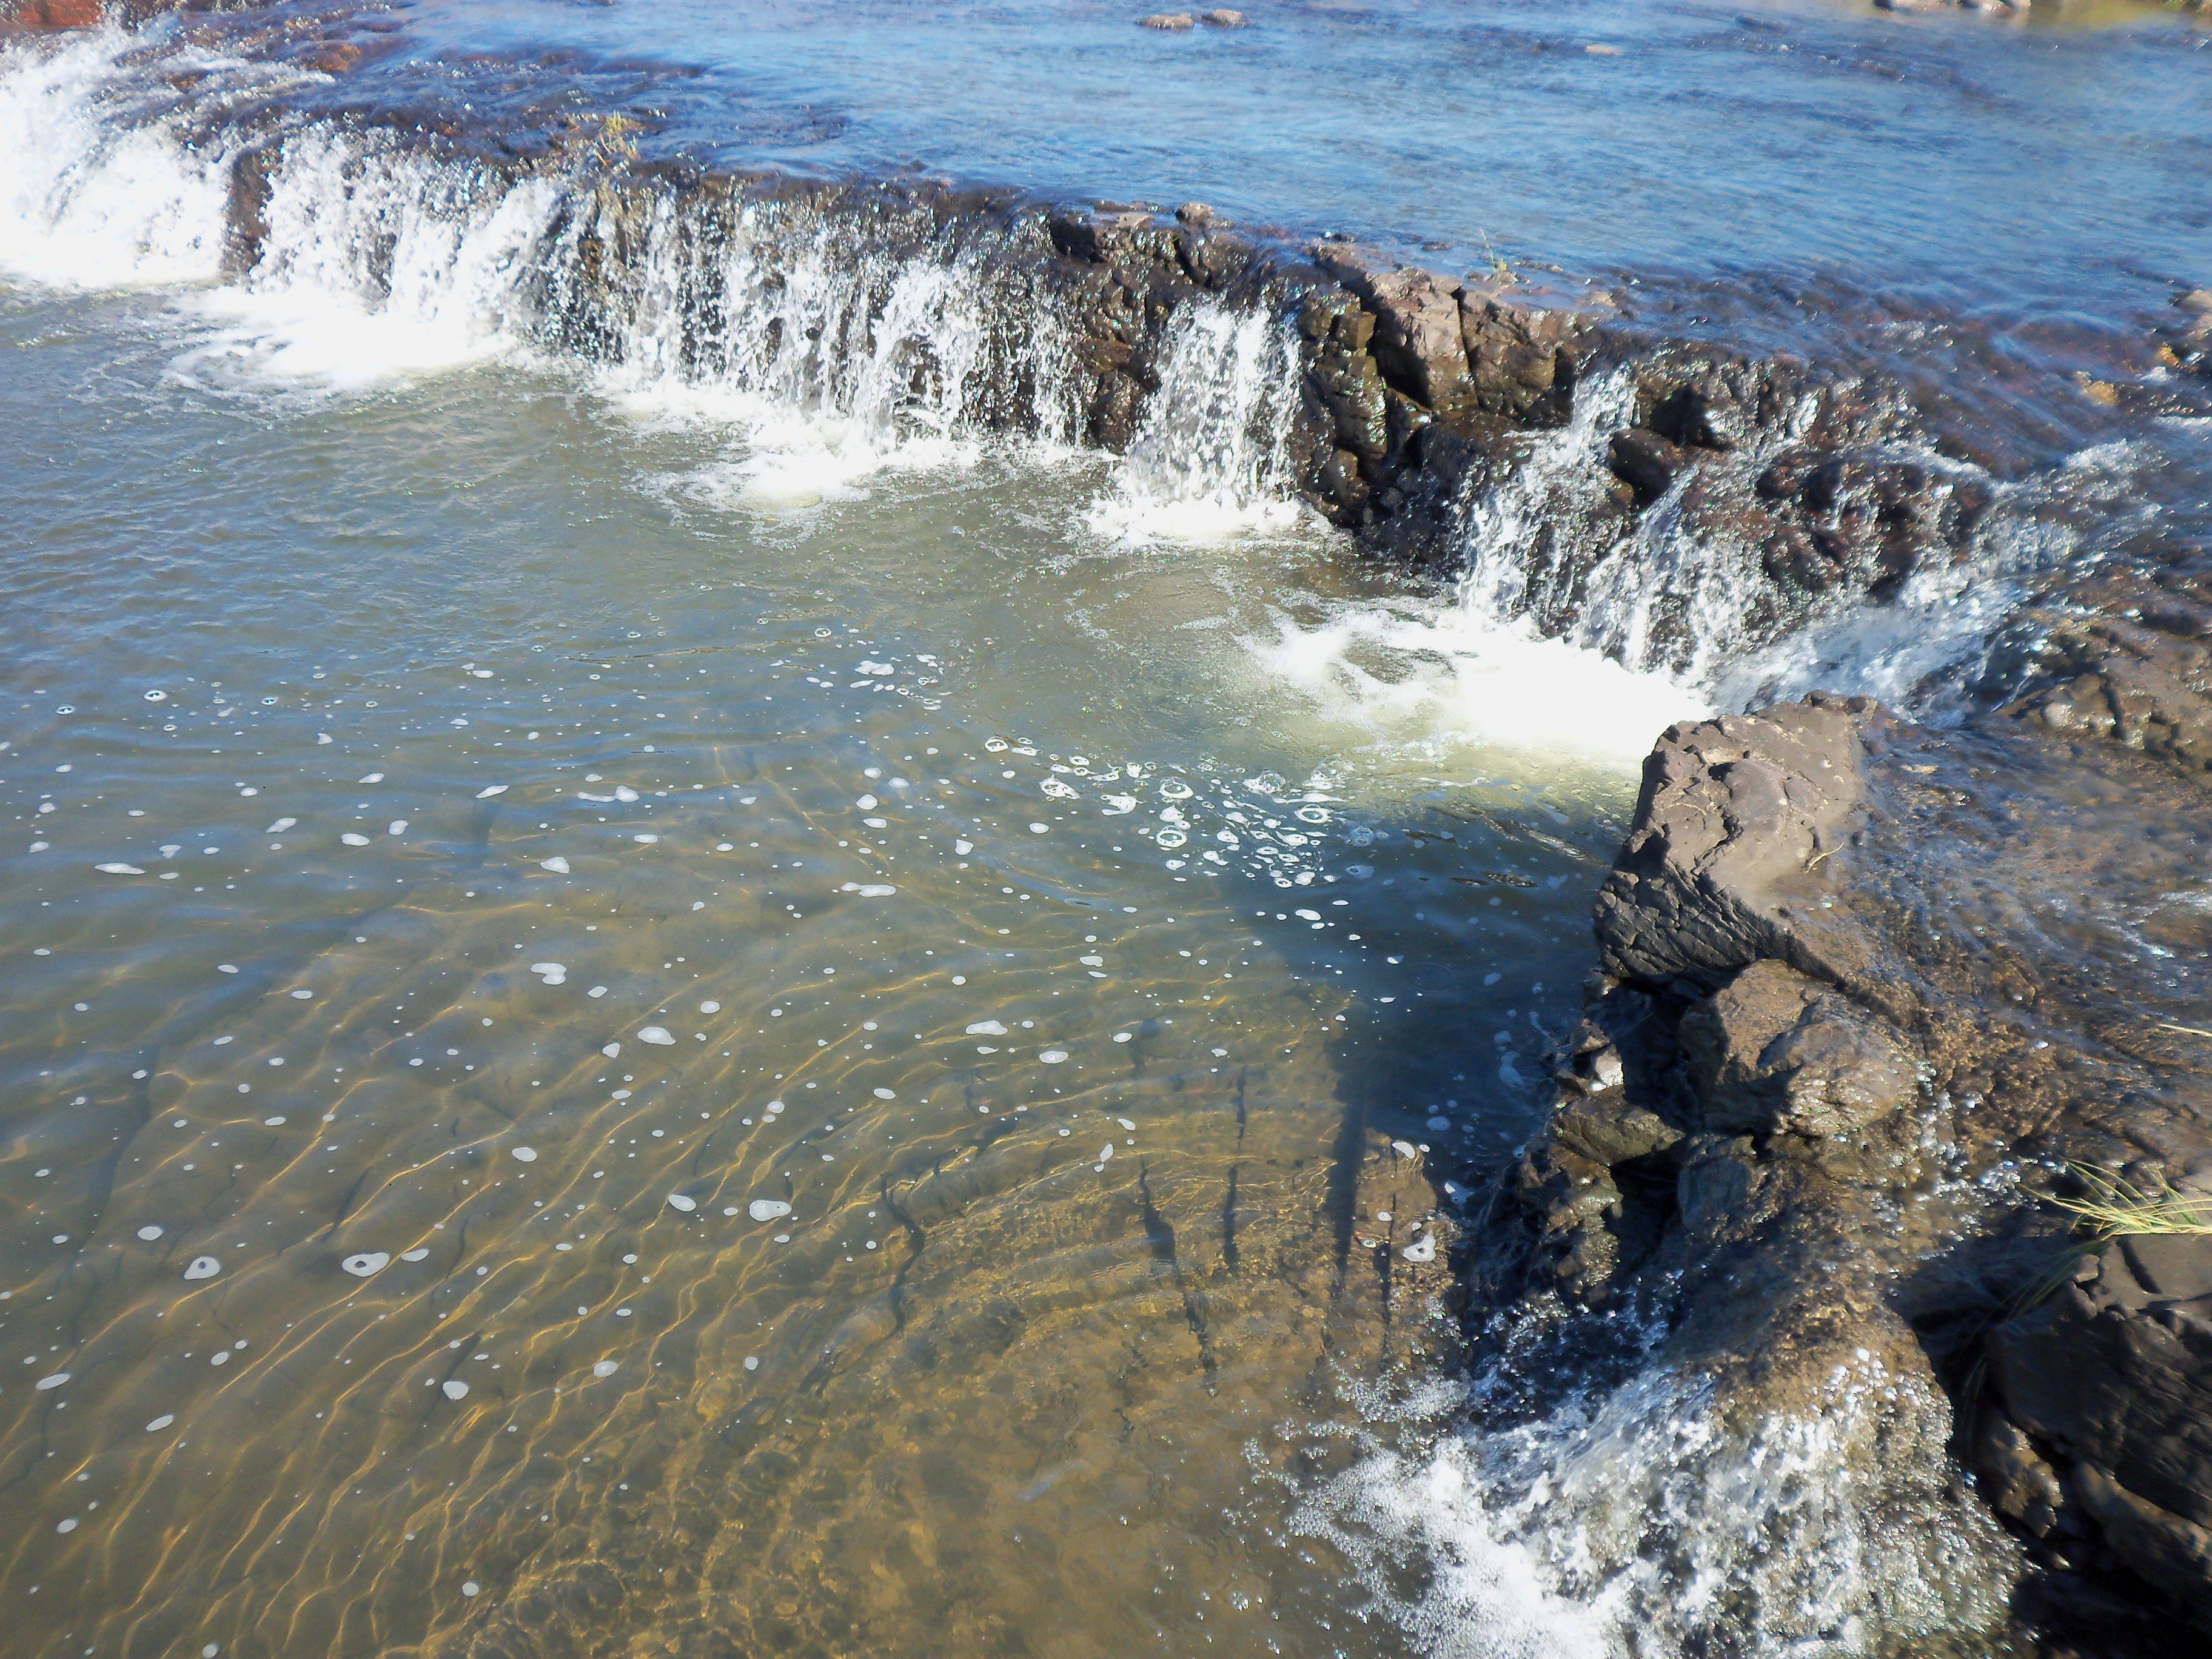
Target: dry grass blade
2116	1207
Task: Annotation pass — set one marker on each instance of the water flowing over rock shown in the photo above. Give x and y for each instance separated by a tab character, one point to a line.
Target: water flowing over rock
1867	988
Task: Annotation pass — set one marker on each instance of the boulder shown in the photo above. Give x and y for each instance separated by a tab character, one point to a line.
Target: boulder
1417	342
1721	867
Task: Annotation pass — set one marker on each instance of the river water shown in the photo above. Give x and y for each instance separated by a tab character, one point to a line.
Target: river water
649	1015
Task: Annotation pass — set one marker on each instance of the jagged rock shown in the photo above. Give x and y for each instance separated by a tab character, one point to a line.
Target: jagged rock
1521	358
2114	1374
2124	658
1721	868
1773	1052
1417	340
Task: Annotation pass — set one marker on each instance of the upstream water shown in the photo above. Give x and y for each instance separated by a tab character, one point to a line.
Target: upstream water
654	1011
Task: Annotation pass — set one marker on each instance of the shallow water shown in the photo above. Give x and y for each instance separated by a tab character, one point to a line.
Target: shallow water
766	787
335	686
2042	168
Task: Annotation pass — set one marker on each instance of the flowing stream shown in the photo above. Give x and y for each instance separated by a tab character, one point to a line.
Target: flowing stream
668	990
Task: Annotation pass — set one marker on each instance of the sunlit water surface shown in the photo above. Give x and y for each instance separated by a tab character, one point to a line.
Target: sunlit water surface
593	1066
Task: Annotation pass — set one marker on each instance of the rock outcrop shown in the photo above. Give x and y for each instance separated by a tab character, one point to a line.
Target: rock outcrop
1867	991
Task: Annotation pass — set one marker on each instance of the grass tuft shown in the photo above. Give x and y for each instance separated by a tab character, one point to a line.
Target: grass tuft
2116	1207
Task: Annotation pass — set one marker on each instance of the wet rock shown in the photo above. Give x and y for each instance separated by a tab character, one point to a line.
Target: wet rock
1722	867
1417	339
1167	19
2114	1376
2127	658
43	15
1773	1052
1520	357
1223	18
1647	463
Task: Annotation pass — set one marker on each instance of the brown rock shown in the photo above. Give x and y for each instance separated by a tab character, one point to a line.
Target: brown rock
58	14
1773	1052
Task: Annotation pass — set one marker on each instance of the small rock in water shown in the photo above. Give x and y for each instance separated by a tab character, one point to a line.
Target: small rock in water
1166	20
369	1261
767	1209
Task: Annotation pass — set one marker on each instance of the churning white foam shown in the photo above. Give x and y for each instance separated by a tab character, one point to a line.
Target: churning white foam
1635	1521
1436	676
95	192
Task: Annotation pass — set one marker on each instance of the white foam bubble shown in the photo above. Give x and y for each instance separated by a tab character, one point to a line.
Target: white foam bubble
523	1154
203	1266
656	1035
454	1388
607	1368
558	866
767	1209
367	1263
149	1234
1424	677
678	1201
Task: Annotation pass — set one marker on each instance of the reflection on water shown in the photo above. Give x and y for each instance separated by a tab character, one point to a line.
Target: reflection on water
589	1070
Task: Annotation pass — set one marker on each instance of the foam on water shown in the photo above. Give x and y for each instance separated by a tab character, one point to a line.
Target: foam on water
1427	678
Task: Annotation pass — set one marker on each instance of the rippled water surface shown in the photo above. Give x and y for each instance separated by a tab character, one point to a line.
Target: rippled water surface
2048	169
466	878
690	1005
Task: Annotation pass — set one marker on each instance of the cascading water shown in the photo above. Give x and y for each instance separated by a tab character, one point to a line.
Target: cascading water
814	358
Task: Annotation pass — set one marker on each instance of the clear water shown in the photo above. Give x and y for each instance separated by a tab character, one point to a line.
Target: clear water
402	716
2038	168
268	652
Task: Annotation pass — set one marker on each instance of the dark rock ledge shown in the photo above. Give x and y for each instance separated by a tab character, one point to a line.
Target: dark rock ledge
1867	991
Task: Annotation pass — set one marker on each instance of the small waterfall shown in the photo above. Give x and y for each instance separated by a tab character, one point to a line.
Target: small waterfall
1209	458
95	191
